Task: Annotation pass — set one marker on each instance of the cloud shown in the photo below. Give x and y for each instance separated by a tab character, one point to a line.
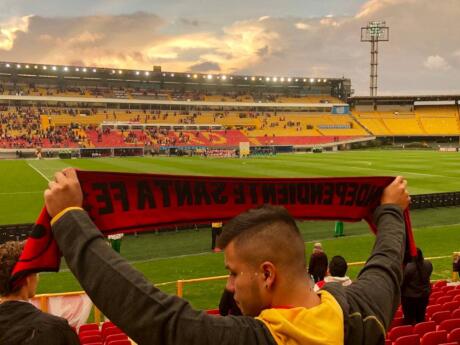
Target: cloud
205	67
9	30
436	62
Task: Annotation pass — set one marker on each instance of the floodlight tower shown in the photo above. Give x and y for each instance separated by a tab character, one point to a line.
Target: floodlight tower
375	32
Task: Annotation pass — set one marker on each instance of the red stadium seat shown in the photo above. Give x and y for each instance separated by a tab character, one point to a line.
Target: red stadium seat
388	342
445	289
111	330
107	324
113	337
440	316
452	343
399	331
456	314
424	327
434	338
213	312
451	306
412	339
119	342
457	297
89	333
431	309
440	283
449	325
454	335
457	287
399	313
453	292
89	327
444	299
397	321
437	294
91	339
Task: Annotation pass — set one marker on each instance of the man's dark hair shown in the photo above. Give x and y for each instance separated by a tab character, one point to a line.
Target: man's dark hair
9	255
266	233
338	266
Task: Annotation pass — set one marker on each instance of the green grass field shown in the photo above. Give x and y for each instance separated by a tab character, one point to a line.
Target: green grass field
182	255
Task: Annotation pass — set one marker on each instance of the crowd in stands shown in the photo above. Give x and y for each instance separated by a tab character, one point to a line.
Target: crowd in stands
169	94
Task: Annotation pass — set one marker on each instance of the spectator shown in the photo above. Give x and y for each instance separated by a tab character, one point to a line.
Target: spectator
336	273
317	247
265	255
21	322
228	305
416	289
317	266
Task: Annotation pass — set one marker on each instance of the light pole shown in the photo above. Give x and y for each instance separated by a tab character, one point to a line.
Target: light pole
375	32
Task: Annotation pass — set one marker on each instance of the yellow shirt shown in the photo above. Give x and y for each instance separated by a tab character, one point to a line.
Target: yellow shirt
322	324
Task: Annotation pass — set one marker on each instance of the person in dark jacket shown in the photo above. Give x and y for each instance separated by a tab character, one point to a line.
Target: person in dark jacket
265	255
21	323
416	289
317	266
227	304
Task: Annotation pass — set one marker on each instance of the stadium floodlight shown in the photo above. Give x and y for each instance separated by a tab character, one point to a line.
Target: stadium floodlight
84	70
224	77
260	79
147	73
18	66
120	71
267	79
137	72
27	66
282	79
188	75
253	78
77	69
54	68
374	33
45	68
172	75
94	70
66	69
113	71
312	80
304	80
7	65
296	79
210	76
324	80
231	78
245	78
35	66
195	76
289	79
275	79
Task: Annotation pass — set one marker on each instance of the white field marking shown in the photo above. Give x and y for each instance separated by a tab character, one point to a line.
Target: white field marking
39	172
14	193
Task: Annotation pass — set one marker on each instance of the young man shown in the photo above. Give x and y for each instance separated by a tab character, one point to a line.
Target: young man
20	321
265	255
337	271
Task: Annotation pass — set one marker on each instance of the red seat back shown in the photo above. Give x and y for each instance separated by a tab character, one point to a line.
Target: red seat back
449	325
454	335
91	339
440	316
431	309
444	299
456	314
434	338
451	306
412	339
89	327
424	327
399	331
440	283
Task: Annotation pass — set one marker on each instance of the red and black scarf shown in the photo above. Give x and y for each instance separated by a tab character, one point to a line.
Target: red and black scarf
123	202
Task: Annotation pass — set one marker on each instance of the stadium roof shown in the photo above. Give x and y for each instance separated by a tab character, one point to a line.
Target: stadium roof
155	75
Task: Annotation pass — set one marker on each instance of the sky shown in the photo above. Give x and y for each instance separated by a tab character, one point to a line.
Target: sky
290	38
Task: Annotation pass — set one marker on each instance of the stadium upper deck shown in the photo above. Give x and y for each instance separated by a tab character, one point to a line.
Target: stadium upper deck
53	80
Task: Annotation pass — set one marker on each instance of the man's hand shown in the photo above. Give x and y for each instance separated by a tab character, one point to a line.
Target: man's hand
63	192
396	193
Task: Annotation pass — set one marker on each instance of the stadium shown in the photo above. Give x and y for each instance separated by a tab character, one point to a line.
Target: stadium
106	119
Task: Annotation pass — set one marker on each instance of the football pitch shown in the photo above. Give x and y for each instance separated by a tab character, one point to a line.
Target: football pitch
186	254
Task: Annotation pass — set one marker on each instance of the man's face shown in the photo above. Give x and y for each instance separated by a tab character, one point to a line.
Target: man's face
245	281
